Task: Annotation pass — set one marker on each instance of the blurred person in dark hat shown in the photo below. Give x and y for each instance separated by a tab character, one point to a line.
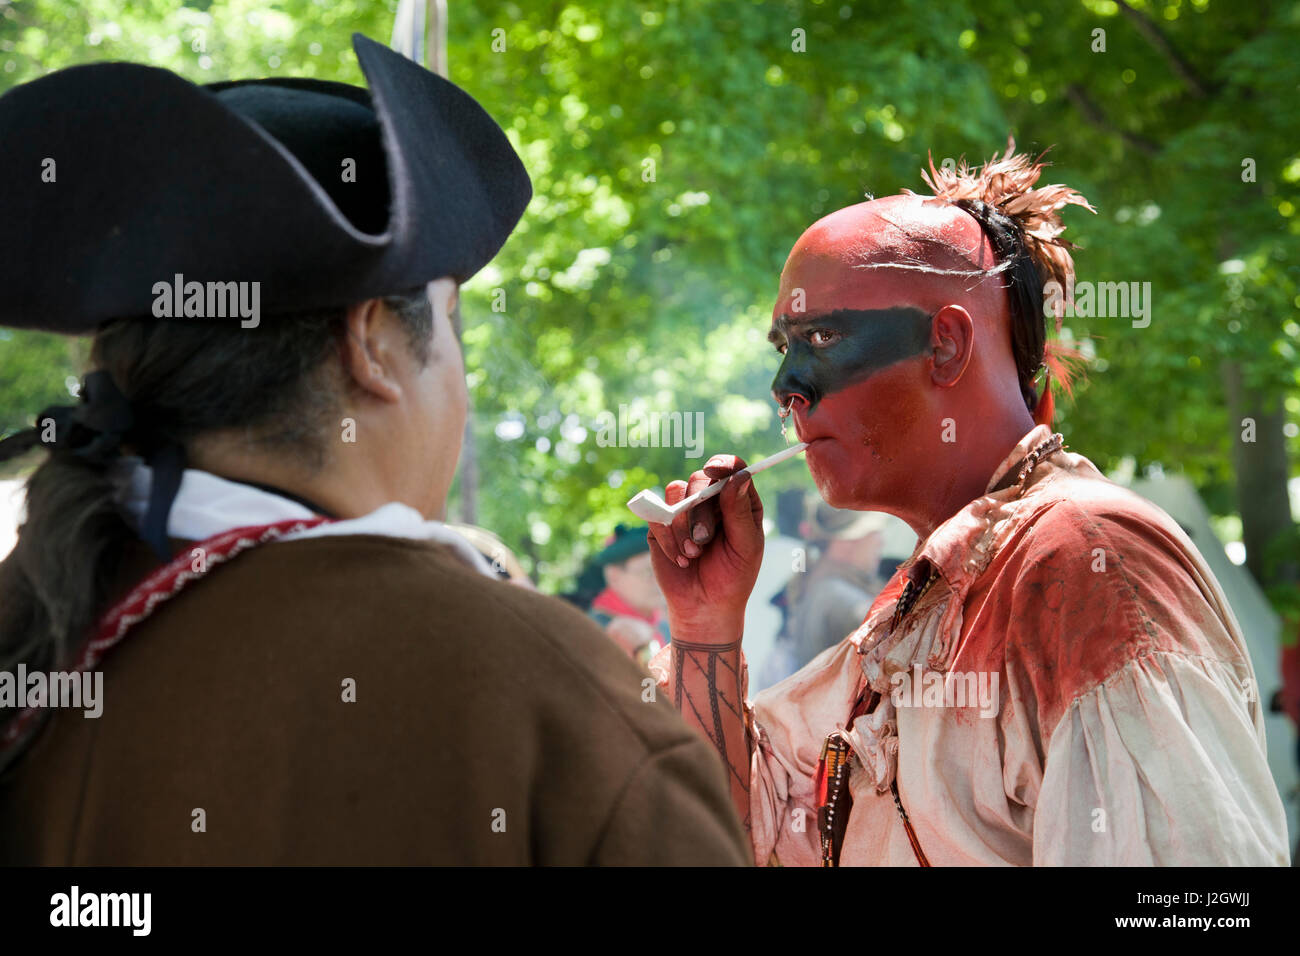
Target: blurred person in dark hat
235	529
831	598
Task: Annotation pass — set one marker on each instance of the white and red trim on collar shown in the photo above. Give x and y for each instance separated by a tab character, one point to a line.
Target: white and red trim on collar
223	519
207	505
162	585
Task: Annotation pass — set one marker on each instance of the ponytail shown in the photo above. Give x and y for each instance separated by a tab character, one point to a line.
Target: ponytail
1024	226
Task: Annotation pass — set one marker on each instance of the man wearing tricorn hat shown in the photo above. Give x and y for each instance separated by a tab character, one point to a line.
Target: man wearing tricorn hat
235	525
1054	676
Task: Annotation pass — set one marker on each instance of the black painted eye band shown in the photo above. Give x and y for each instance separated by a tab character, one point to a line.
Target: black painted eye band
868	340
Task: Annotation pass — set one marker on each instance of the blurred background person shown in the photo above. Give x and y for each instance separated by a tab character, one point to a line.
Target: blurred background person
626	600
784	551
505	564
827	602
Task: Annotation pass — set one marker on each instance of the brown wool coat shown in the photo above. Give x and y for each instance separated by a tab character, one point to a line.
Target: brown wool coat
476	701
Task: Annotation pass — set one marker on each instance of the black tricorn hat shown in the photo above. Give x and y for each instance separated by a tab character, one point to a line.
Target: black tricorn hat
117	176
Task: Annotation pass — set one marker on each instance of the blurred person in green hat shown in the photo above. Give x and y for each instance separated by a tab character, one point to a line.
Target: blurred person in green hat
628	602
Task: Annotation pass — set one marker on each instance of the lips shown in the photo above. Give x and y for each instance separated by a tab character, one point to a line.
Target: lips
801	430
816	445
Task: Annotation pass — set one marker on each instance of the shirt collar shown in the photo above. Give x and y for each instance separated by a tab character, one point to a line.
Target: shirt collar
960	547
207	505
1037	435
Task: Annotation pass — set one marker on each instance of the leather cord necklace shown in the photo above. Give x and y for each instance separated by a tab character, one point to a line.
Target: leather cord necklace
1019	473
835	801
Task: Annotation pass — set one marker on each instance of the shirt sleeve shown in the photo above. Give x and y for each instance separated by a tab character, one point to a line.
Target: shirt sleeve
675	810
1160	765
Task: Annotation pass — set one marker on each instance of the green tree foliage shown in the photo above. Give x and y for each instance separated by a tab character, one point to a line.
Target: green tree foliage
679	148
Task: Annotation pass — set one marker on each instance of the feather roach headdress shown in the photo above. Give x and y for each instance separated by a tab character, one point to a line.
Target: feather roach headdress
1024	225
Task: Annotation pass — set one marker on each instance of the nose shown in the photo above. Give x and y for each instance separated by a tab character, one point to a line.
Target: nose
789	401
789	387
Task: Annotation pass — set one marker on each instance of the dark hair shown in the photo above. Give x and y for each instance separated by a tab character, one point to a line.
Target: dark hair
186	379
1028	324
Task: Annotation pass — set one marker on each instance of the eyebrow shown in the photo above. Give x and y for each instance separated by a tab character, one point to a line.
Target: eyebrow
786	321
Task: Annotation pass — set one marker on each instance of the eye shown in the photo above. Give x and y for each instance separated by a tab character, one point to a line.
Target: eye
828	337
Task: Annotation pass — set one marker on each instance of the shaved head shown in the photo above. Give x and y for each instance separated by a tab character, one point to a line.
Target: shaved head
896	250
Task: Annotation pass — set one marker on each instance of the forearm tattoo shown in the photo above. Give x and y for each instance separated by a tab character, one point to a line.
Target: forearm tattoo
708	691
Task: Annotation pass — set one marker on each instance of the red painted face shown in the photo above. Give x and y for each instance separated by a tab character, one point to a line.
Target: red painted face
859	351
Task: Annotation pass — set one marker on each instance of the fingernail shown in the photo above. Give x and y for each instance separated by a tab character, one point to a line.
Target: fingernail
744	487
691	549
700	532
682	562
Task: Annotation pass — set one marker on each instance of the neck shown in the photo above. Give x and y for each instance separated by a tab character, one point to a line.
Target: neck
962	473
332	487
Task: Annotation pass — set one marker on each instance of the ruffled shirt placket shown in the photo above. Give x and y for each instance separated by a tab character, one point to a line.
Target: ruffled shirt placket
960	550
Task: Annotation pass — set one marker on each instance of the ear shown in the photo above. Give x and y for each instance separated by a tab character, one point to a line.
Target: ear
370	348
952	339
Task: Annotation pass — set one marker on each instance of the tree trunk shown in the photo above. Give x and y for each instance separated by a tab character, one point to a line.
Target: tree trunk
425	33
1261	476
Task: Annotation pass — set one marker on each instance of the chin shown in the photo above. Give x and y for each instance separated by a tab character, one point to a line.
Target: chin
848	490
829	475
835	492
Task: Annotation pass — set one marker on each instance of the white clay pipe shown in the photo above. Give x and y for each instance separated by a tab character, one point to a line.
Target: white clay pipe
650	507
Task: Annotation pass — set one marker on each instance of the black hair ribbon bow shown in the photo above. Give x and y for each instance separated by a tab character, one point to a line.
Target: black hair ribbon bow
94	431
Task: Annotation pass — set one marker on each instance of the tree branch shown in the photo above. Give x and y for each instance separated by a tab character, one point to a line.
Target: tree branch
1094	115
1181	67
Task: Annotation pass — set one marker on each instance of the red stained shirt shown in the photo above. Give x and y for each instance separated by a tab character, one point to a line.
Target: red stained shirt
1073	689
